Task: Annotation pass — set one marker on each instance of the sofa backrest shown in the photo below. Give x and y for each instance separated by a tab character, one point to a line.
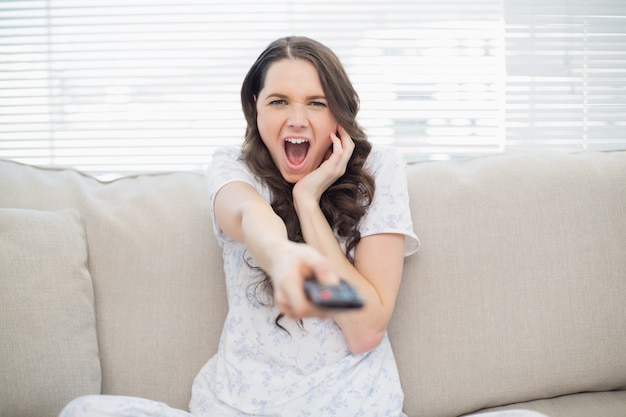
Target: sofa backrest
156	269
519	289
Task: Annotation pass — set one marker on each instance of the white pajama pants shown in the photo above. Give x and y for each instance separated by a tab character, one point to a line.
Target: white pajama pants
120	406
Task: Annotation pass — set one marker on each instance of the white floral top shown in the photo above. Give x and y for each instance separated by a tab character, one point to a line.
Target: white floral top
262	370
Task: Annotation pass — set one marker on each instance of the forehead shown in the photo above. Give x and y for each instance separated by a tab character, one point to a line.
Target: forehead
292	75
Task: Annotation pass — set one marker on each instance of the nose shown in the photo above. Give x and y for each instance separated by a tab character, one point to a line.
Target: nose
297	116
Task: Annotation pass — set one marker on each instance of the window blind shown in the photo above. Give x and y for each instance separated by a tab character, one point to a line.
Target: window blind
123	86
116	87
566	74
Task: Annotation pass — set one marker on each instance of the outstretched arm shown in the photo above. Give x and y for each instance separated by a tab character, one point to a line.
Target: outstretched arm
246	217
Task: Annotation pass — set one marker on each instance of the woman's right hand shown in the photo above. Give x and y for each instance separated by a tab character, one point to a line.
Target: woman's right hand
291	268
245	216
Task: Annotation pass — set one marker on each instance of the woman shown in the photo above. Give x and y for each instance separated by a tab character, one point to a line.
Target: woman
306	196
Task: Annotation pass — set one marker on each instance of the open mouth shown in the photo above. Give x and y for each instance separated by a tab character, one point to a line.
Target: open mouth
296	150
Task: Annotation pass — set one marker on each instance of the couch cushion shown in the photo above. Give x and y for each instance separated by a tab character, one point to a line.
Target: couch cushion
518	291
586	404
156	267
47	320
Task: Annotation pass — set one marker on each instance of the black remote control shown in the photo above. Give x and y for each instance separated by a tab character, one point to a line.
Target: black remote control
342	296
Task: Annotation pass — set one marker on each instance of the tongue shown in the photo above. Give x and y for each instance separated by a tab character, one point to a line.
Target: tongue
296	152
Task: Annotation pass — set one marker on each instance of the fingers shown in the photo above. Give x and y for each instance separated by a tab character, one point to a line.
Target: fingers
297	305
292	302
289	295
346	140
343	144
342	149
325	275
285	306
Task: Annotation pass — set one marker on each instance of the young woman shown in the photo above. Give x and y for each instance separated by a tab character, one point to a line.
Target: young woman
306	196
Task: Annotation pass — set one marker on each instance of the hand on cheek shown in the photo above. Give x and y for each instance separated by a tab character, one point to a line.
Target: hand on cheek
328	154
333	166
343	147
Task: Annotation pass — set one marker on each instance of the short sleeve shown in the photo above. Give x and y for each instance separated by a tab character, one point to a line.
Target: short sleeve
225	167
390	211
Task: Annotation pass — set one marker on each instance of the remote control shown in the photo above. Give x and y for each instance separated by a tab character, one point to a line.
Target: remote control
342	296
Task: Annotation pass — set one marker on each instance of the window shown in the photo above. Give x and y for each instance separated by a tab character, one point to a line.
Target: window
566	74
121	86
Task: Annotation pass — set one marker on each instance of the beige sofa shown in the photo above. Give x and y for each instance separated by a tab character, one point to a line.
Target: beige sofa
517	296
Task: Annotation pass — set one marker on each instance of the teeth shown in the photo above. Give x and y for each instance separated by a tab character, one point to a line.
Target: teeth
296	141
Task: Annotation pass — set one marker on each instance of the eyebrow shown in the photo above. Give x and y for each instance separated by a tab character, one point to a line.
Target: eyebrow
283	96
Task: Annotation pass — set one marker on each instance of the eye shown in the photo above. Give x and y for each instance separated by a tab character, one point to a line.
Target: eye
318	104
279	102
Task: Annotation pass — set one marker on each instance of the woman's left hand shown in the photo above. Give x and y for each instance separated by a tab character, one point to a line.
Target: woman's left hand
332	168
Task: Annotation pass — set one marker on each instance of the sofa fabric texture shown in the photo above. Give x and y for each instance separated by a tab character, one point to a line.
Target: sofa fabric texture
516	298
49	349
519	289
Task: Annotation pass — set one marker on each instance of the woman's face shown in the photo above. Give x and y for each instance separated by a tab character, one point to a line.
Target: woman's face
293	118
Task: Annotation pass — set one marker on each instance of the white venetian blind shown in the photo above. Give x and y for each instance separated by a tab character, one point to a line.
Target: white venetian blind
566	74
121	86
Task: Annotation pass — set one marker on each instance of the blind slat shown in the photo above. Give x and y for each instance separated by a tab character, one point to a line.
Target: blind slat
125	86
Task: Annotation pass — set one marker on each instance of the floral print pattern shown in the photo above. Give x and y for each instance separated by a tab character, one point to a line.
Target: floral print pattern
307	370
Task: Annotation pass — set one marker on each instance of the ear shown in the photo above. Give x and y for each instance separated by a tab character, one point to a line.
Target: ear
254	98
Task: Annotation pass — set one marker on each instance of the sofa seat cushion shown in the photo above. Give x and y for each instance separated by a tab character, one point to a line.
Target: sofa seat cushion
47	313
604	404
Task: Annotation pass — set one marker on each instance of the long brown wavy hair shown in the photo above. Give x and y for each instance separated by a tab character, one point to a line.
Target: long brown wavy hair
346	201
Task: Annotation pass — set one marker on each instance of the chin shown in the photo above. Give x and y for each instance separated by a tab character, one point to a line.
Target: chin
291	178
